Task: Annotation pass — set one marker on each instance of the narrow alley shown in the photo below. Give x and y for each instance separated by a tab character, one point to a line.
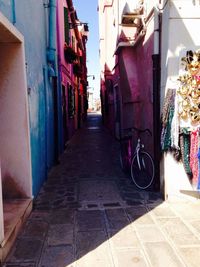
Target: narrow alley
88	214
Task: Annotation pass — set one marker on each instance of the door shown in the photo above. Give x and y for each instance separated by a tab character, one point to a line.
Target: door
117	108
64	115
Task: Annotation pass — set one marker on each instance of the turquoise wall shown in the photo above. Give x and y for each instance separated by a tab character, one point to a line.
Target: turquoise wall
31	18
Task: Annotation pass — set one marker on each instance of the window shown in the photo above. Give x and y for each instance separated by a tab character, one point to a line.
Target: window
66	26
73	43
71	101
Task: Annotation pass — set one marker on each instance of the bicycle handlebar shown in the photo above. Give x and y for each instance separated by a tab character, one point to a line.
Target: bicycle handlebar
131	129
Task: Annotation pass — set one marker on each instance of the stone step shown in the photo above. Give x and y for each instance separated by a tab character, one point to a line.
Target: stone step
15	212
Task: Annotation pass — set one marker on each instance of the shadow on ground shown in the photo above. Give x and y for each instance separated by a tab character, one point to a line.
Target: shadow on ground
88	213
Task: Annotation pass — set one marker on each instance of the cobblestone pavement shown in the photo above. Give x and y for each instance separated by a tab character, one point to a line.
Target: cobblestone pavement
88	214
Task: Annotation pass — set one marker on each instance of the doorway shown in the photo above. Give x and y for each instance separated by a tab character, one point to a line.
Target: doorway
117	106
15	156
64	115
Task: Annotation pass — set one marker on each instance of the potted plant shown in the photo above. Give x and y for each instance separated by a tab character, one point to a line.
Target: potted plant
69	53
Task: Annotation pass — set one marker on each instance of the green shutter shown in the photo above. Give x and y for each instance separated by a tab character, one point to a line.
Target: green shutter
66	25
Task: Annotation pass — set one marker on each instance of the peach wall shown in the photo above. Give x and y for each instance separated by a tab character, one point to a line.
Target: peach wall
14	130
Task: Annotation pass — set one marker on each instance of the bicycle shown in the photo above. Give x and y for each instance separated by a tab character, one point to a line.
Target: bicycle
140	165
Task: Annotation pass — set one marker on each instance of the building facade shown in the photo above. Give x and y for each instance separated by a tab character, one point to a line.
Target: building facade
42	100
71	38
138	66
127	66
30	132
179	42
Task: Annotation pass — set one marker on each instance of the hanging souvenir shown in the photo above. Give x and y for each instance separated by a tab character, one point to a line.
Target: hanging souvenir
189	89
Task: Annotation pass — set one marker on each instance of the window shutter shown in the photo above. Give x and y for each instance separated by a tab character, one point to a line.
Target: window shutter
66	25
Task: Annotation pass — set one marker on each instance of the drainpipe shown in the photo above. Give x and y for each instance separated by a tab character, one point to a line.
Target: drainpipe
46	125
156	57
51	50
52	69
13	12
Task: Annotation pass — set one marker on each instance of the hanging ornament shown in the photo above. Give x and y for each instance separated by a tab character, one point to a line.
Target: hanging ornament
189	89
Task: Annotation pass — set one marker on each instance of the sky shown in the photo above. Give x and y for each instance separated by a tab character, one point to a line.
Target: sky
87	12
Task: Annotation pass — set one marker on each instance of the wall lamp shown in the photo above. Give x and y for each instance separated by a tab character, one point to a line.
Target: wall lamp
74	25
84	30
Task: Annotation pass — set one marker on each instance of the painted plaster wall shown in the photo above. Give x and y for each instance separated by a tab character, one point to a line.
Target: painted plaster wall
15	155
65	69
14	141
184	16
135	66
41	115
32	22
134	63
110	39
108	21
6	8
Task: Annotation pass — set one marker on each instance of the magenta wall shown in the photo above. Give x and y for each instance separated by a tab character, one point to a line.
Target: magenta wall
136	86
65	69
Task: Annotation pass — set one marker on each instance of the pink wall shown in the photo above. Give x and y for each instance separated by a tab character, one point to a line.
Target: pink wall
136	83
65	69
130	68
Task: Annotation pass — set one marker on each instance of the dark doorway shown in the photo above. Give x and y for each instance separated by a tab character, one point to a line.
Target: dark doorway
64	115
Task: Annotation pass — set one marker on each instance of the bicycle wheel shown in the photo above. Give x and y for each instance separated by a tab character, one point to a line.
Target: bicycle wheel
142	173
124	157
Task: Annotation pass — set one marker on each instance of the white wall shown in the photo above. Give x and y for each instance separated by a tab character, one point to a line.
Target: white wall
181	21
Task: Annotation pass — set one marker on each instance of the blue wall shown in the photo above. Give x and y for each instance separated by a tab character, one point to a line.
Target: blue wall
32	21
6	8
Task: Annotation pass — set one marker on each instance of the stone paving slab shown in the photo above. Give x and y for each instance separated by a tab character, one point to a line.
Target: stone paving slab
98	258
60	234
26	250
139	216
38	229
90	220
58	256
150	234
92	249
97	190
163	211
196	225
116	219
191	256
179	233
162	254
62	216
187	210
123	239
91	215
129	257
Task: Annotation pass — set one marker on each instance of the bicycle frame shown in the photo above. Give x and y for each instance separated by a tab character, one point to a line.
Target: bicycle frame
138	147
137	150
142	166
